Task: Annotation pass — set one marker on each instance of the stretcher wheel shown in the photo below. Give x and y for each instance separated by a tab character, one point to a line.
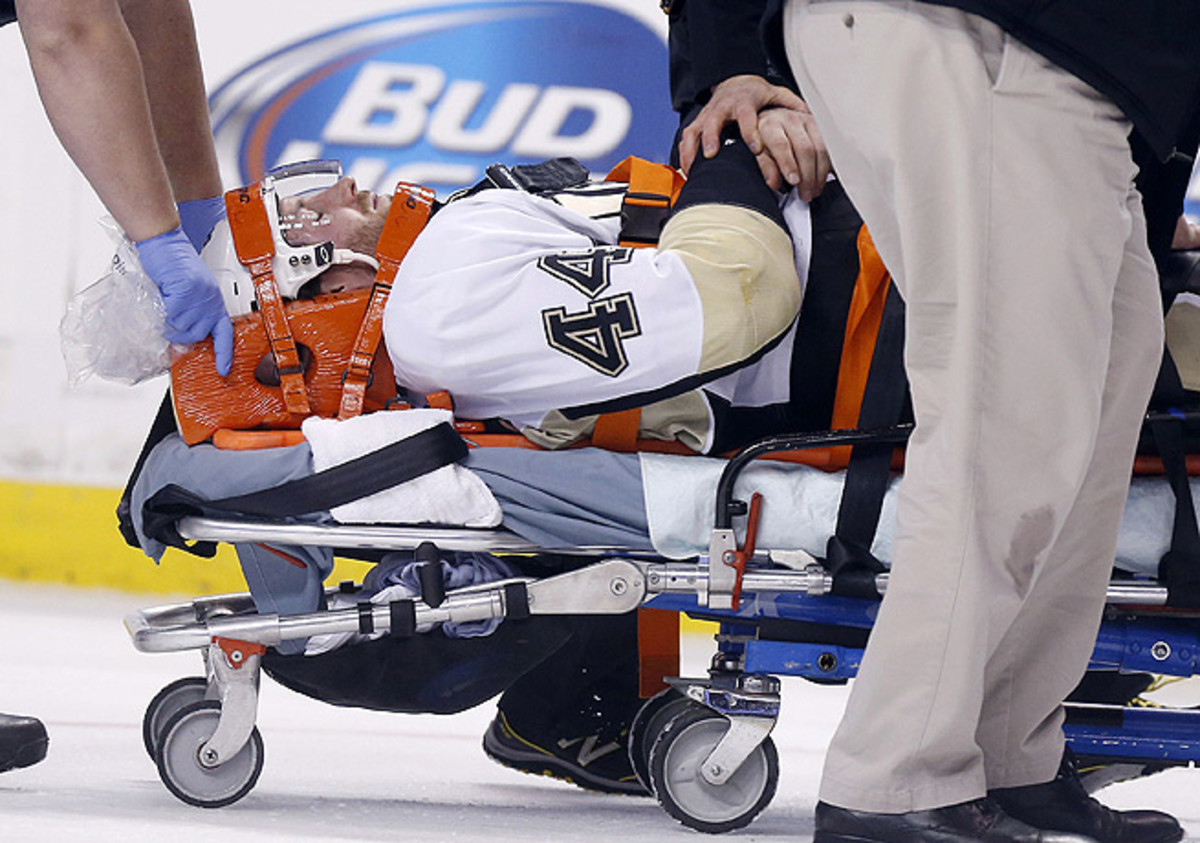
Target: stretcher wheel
675	760
166	702
650	719
179	764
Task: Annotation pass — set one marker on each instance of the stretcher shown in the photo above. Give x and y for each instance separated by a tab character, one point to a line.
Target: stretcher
701	745
785	605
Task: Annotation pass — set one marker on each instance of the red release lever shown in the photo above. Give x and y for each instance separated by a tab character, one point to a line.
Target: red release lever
741	557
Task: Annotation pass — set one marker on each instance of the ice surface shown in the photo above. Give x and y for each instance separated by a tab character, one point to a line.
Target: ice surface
335	774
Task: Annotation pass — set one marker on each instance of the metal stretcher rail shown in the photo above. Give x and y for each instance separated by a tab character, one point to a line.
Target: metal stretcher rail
376	537
387	537
608	586
356	536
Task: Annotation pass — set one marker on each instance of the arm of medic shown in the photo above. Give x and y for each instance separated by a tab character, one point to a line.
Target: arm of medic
121	85
715	46
776	126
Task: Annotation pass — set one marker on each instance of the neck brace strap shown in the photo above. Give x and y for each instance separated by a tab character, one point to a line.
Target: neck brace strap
411	206
255	245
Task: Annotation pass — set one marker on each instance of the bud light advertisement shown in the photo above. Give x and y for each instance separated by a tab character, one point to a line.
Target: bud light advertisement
436	93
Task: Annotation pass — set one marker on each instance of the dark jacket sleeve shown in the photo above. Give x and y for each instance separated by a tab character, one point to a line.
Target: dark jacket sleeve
771	37
710	41
1163	185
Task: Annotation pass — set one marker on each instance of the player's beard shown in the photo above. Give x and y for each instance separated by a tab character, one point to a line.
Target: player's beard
364	239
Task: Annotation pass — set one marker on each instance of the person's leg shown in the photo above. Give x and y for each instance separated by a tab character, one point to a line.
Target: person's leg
970	186
282	580
569	716
1021	724
285	580
1027	681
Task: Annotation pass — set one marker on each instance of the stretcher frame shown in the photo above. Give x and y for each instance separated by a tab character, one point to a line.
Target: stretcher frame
735	587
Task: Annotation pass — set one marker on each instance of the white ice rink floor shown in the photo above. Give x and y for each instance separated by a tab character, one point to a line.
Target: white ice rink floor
341	774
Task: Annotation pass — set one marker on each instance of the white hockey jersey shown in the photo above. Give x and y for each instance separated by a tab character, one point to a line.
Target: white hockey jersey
519	305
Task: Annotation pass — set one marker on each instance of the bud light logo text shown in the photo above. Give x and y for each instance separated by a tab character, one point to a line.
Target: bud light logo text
436	94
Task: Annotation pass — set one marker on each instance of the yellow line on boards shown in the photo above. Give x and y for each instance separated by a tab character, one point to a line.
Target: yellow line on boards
68	535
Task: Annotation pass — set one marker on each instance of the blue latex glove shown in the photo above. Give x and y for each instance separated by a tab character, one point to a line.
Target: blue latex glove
193	303
200	217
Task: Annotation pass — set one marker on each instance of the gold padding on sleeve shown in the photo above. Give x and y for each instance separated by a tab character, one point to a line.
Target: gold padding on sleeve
744	271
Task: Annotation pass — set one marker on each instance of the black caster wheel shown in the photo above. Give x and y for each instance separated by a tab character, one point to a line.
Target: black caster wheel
675	760
646	725
179	764
166	702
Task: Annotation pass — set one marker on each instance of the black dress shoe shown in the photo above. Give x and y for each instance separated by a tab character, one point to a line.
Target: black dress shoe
981	819
23	741
1063	804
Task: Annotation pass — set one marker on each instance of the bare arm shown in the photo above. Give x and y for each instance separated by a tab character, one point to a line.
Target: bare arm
89	72
166	42
89	77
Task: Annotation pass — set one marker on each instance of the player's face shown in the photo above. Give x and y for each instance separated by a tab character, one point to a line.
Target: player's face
349	217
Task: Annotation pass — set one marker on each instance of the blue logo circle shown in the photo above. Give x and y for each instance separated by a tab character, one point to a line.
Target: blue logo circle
435	95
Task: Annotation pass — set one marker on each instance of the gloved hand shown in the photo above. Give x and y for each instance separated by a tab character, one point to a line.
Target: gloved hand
193	302
200	217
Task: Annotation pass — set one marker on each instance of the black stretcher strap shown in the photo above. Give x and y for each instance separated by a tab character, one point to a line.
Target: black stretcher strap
366	620
162	427
1179	568
848	552
382	469
516	601
403	615
389	466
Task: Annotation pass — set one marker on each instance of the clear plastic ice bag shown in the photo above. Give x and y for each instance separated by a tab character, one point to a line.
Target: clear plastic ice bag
114	327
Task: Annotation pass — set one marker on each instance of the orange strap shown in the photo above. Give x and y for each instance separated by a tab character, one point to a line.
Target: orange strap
653	189
862	329
442	400
408	214
658	649
253	440
618	431
1147	464
251	229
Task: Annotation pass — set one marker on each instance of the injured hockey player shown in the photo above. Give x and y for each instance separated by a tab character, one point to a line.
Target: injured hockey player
524	306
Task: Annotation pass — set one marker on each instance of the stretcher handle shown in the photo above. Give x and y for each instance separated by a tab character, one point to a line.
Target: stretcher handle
429	574
728	507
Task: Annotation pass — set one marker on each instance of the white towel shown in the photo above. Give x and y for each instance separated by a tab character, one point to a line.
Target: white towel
451	495
800	509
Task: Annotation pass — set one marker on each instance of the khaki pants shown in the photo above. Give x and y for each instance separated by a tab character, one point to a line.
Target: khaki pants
998	189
